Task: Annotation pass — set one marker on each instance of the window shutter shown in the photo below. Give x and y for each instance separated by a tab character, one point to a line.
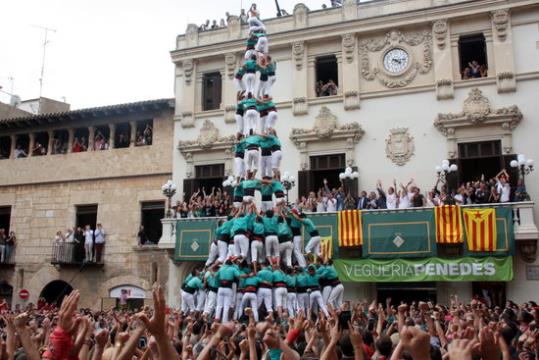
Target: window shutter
304	183
188	188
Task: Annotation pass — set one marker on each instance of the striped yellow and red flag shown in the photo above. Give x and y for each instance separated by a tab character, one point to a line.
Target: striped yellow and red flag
350	230
480	225
326	248
448	224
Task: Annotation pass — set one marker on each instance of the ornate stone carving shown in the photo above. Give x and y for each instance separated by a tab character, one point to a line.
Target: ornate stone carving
191	35
351	100
478	110
326	127
500	20
349	47
230	111
506	82
301	15
527	250
230	61
188	66
299	106
444	89
440	33
187	120
392	39
399	146
298	49
208	138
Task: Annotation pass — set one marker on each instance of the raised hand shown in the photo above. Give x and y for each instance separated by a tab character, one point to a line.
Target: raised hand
67	310
416	342
462	349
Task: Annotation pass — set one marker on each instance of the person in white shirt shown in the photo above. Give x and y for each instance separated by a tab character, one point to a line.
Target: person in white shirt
331	203
88	244
69	247
391	196
503	187
99	234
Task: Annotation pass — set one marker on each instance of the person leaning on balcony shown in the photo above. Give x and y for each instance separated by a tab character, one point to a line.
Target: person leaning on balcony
69	248
503	187
88	244
2	245
11	240
100	237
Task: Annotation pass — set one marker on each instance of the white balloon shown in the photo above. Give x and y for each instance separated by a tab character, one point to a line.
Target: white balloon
342	176
453	167
355	175
348	170
438	169
530	162
514	163
445	162
445	167
520	157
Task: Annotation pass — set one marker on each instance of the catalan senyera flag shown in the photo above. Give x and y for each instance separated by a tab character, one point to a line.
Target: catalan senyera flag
448	224
350	230
480	225
326	248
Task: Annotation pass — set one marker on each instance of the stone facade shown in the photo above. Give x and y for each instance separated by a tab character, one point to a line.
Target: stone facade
43	192
374	99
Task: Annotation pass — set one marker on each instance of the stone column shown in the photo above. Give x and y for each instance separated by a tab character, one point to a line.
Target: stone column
339	74
229	99
443	60
502	50
133	133
311	77
70	138
112	134
299	78
186	91
348	64
13	146
91	135
31	143
51	142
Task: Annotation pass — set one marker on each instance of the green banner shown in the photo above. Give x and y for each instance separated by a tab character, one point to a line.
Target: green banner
505	235
428	269
193	238
397	234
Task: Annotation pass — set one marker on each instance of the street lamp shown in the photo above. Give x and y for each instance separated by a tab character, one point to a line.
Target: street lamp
525	166
169	189
347	176
289	181
444	170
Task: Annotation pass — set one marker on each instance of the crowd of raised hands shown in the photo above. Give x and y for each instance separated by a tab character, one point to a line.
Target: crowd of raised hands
419	331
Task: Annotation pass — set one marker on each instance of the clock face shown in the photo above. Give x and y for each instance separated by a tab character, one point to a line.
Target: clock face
396	60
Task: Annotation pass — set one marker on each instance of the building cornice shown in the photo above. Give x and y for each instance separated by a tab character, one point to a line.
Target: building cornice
358	26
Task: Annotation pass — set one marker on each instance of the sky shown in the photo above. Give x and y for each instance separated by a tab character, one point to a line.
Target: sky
103	52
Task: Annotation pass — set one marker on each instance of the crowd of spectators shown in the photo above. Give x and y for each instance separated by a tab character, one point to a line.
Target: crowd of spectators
7	245
328	88
79	245
362	331
203	204
495	190
474	70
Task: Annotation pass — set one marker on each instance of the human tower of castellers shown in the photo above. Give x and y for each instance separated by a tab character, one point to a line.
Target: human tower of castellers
256	260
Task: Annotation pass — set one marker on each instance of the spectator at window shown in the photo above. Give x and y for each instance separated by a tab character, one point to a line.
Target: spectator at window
466	73
19	152
11	240
79	245
328	89
474	69
483	71
39	150
349	202
362	201
222	23
331	202
99	141
503	187
139	139
88	244
520	192
142	237
57	146
77	146
148	131
100	237
214	25
243	17
494	195
123	141
2	245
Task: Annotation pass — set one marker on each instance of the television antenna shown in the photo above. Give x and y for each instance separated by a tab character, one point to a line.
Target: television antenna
46	31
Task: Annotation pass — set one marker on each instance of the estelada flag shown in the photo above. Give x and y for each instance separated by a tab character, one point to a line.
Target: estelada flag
326	248
448	224
480	225
350	231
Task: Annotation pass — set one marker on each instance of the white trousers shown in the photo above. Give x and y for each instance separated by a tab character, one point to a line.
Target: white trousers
240	85
266	205
271	120
88	251
269	85
188	302
336	295
239	167
250	82
201	299
261	88
313	246
285	249
257	251
250	120
224	302
261	124
222	248
238	309
265	166
280	295
276	158
316	297
250	300
241	245
211	300
262	45
292	304
214	254
298	253
255	24
272	246
326	291
303	301
251	159
249	53
240	126
264	296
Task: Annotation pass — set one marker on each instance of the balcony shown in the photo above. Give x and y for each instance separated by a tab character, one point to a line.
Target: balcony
72	255
190	238
9	261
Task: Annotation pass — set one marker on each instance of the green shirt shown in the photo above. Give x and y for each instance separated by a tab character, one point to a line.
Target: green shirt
266	142
254	140
195	283
295	223
228	273
278	276
290	280
283	230
274	140
250	65
239	147
330	273
309	225
251	41
238	190
266	190
270	225
301	279
313	280
249	102
252	281
211	279
243	271
224	229
277	186
251	184
258	228
241	224
265	275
